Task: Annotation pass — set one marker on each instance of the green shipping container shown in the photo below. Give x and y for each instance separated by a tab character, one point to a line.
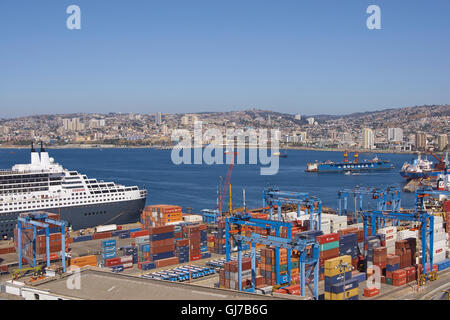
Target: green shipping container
329	246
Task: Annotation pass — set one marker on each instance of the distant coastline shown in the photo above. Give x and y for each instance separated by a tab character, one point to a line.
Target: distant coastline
101	146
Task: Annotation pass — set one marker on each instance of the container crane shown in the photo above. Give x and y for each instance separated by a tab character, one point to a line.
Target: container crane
441	164
226	185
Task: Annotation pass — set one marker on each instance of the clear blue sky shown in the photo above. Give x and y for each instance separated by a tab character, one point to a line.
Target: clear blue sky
291	56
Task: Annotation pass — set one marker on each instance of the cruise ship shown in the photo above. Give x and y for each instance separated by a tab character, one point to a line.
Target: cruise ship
44	185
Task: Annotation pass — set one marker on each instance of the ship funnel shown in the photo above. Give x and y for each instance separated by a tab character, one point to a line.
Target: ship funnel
35	160
45	159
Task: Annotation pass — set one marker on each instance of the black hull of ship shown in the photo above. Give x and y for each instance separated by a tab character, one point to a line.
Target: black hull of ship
91	215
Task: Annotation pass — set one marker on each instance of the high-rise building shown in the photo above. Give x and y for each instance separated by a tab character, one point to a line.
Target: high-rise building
421	140
442	142
158	118
73	124
298	117
368	139
395	135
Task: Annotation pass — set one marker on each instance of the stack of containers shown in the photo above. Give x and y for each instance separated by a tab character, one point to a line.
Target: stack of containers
108	250
390	236
210	243
328	249
337	222
192	232
392	265
178	231
182	250
439	241
126	262
339	284
229	278
399	277
203	238
160	215
406	250
219	241
267	266
380	260
162	245
410	274
131	251
143	245
325	226
348	245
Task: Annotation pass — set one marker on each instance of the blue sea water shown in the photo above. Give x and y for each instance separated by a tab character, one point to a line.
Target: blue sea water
195	186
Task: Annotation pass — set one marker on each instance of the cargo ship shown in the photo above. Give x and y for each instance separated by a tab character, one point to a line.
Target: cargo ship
424	168
44	185
347	167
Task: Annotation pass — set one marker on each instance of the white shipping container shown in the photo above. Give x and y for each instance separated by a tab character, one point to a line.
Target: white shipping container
439	244
439	237
106	228
405	234
192	218
390	243
388	230
439	257
125	259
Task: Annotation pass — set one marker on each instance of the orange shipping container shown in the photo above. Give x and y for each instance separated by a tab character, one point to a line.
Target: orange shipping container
84	261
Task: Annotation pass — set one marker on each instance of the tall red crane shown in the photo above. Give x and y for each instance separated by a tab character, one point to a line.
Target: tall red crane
226	185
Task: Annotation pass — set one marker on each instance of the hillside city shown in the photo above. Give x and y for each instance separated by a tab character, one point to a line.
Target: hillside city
404	129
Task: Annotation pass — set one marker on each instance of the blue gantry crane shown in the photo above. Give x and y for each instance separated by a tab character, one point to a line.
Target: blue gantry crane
30	222
387	199
307	247
313	205
425	219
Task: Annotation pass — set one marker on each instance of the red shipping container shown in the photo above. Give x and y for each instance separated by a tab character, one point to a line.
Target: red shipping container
155	250
166	262
327	238
195	257
328	254
370	292
102	235
162	243
112	262
399	274
163	229
141	233
182	242
393	259
399	282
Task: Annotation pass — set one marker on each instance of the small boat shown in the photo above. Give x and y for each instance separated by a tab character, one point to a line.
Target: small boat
279	154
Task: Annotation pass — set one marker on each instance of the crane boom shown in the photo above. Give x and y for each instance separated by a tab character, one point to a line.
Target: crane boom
226	184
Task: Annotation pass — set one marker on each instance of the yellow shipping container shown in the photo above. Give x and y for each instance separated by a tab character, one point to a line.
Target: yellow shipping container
332	263
341	296
331	272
